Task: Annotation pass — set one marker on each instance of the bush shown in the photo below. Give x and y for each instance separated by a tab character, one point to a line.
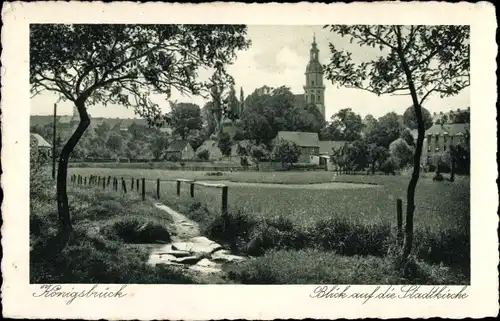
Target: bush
136	230
438	177
173	158
203	155
389	166
349	238
105	262
214	174
317	267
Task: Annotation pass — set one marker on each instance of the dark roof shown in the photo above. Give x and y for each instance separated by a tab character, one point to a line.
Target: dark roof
326	146
41	142
302	139
449	129
177	145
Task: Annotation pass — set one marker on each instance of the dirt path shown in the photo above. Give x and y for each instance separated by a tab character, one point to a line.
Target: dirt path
332	185
184	227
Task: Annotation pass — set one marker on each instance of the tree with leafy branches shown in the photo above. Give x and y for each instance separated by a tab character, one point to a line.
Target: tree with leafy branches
91	64
224	144
414	60
287	152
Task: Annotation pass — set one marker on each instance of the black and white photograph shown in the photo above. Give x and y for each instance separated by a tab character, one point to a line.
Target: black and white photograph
251	154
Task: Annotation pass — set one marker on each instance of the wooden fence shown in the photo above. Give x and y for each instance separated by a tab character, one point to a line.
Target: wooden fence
120	184
104	182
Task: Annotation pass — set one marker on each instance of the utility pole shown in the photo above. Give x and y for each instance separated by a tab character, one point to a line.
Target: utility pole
54	144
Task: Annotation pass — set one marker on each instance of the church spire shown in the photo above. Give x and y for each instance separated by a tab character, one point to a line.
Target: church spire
314	38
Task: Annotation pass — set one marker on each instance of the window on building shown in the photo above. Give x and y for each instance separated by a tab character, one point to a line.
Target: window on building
319	99
312	82
428	147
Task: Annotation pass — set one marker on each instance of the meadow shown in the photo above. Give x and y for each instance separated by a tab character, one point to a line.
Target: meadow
320	232
439	205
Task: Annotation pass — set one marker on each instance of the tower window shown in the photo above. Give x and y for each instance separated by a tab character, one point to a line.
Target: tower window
319	99
312	82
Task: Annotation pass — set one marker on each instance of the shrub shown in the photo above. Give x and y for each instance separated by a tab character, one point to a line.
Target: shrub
136	230
438	177
214	174
316	267
203	155
349	238
173	158
389	166
105	262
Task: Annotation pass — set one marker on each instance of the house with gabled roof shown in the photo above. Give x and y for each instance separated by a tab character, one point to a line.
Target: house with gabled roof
307	142
179	150
39	143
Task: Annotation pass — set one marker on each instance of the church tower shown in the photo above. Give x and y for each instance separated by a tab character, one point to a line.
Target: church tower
314	90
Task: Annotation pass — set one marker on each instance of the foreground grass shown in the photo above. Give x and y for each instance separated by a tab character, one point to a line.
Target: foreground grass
317	267
346	222
251	234
102	249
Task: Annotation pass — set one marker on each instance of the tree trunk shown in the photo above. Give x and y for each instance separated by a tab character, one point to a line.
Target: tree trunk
410	195
62	171
452	176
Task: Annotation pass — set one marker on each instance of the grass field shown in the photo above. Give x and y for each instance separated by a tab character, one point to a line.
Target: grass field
440	206
301	227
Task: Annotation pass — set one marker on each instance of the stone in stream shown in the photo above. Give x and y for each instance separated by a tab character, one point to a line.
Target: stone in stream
167	249
207	263
205	269
197	245
155	259
224	256
191	260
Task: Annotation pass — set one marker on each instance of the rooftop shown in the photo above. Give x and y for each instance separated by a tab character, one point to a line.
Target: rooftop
303	139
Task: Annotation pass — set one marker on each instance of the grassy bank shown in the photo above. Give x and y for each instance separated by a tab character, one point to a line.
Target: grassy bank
331	241
103	248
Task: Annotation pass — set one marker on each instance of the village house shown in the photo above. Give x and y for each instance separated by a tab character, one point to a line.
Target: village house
438	140
41	145
179	150
326	150
307	142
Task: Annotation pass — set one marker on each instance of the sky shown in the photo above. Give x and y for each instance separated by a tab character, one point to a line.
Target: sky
278	57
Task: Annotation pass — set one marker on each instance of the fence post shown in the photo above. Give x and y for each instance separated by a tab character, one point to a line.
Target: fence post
103	184
85	181
137	184
191	189
399	209
132	185
178	188
124	186
109	179
158	188
224	200
99	181
143	189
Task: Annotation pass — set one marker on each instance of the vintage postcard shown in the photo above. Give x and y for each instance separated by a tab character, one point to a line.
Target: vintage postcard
234	161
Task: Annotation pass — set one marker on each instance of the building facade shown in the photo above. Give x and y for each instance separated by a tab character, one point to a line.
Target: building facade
314	89
439	138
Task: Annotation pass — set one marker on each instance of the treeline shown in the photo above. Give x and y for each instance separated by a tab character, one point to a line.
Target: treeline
385	144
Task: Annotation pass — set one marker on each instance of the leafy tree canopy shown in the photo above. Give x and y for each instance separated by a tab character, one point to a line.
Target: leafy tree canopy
410	118
185	118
